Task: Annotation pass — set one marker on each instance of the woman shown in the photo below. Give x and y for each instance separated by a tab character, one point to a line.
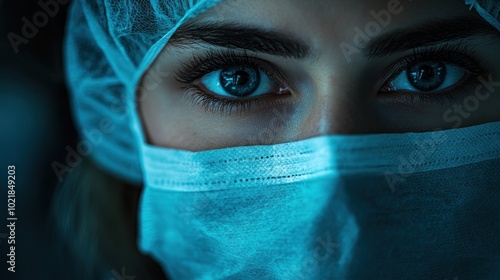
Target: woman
285	139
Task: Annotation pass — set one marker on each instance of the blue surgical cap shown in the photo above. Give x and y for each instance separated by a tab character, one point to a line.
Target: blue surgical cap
109	45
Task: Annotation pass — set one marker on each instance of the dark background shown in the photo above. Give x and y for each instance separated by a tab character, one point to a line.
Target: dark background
36	126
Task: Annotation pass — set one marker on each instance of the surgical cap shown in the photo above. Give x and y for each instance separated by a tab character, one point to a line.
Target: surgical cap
109	46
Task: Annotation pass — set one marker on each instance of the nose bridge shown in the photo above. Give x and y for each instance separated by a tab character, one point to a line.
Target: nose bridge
338	108
338	114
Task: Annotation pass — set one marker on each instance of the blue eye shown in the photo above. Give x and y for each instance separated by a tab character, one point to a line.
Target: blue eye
428	76
238	82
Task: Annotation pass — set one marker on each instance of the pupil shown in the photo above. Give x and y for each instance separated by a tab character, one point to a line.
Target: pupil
240	81
426	72
427	76
240	78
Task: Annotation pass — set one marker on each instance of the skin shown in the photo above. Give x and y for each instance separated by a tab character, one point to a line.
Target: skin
328	95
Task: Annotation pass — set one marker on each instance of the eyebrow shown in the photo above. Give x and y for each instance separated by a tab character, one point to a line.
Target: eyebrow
431	33
231	35
237	36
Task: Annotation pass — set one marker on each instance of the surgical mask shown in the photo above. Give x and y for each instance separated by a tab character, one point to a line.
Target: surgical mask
388	206
343	207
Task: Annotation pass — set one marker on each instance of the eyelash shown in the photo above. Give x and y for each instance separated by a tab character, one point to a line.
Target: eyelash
215	60
459	55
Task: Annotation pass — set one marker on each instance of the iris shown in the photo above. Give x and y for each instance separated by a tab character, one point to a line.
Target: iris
240	81
427	76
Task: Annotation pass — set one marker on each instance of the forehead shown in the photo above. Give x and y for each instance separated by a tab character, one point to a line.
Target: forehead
329	21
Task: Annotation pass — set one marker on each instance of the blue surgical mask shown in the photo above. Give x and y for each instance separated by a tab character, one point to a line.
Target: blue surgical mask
388	206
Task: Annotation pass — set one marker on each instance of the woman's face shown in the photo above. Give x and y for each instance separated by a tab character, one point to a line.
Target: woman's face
266	72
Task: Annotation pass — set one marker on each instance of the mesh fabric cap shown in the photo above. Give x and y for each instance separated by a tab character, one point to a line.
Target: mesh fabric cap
106	50
109	45
488	9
